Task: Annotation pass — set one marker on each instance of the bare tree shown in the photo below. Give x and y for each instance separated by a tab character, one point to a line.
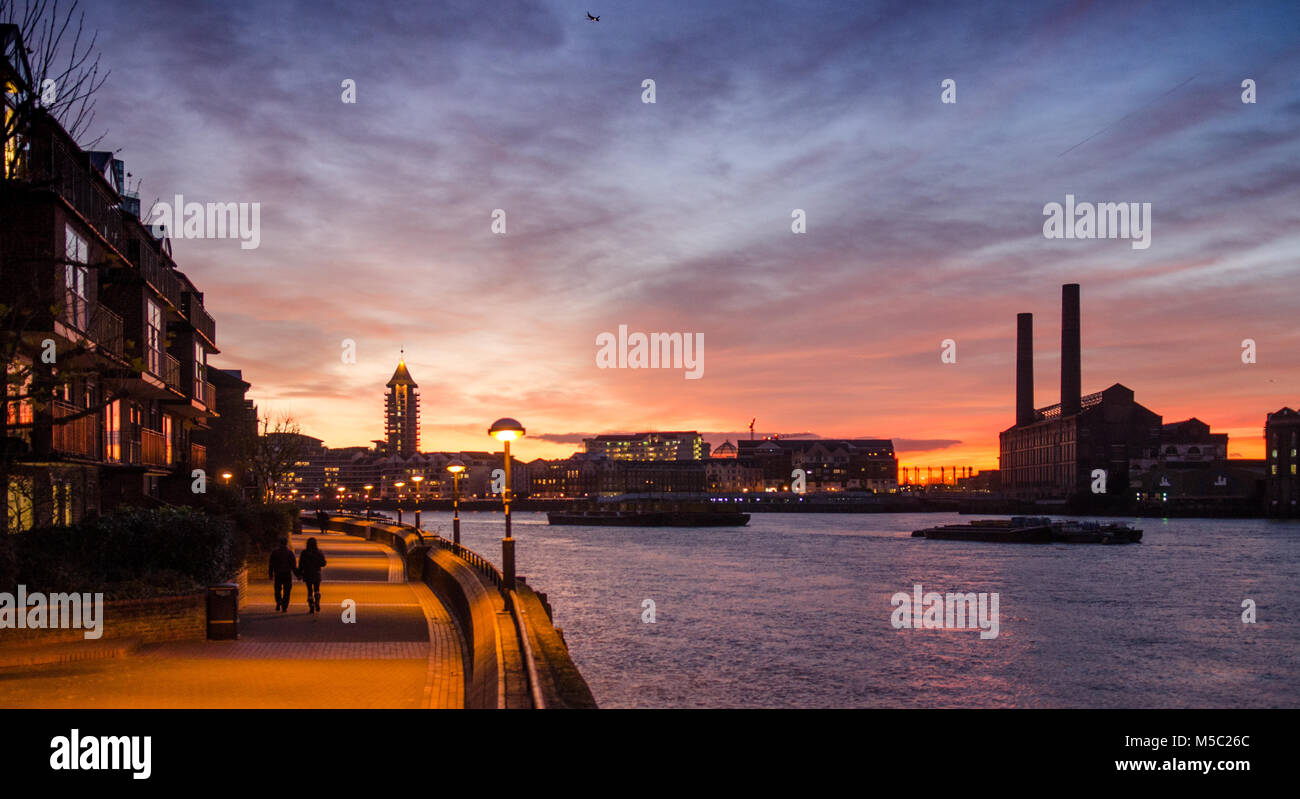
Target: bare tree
48	65
59	61
278	446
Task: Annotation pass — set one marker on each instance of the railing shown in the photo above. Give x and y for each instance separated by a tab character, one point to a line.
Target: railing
171	372
198	456
209	397
76	436
153	447
70	175
159	275
511	597
199	317
106	330
477	561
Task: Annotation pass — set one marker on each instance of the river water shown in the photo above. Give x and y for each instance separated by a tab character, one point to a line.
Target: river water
794	610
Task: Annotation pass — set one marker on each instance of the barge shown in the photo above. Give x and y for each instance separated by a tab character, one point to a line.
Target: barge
1033	530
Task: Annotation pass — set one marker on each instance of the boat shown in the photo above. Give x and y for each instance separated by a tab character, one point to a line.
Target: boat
1034	530
1072	532
1016	530
651	518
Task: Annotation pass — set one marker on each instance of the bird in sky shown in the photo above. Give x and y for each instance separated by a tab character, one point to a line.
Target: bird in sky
590	18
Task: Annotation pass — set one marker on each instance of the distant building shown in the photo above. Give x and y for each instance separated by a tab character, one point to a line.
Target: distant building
1281	434
233	431
728	474
829	465
725	450
1053	452
1187	443
402	413
650	446
584	475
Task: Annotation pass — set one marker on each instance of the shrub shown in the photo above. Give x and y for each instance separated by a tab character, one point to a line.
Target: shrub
127	551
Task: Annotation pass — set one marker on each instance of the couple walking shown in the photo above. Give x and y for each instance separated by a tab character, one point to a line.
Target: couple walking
307	568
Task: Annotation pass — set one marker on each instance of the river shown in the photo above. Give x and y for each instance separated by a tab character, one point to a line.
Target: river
794	611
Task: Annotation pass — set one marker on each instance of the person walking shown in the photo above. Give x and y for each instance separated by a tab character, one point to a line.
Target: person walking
310	563
281	569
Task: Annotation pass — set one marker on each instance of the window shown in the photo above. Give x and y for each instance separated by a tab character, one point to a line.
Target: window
154	337
167	437
62	502
75	303
200	370
113	431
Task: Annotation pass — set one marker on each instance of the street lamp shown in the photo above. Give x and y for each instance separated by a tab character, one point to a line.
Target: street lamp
505	431
399	485
226	476
455	466
417	478
340	489
368	487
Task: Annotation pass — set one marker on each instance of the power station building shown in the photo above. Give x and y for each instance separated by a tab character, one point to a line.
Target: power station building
1053	452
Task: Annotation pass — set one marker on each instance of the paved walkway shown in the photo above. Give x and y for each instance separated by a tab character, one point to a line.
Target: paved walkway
402	651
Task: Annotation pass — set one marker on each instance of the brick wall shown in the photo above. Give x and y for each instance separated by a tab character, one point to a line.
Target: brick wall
170	618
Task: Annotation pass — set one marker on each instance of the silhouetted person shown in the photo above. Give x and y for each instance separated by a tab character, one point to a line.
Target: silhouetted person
322	520
281	570
309	565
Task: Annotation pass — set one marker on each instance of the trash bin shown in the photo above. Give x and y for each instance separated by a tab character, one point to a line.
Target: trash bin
223	612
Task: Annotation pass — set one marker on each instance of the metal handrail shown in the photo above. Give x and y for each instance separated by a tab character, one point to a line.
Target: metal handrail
518	613
486	568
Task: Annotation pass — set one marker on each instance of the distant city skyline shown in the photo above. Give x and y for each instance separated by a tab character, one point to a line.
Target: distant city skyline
924	220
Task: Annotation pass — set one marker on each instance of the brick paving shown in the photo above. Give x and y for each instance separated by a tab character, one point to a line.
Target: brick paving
402	651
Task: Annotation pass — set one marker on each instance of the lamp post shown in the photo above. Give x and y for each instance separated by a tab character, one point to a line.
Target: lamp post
505	431
455	466
399	485
226	477
368	487
340	491
416	478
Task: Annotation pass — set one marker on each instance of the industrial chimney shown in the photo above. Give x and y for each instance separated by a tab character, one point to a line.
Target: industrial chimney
1071	369
1024	369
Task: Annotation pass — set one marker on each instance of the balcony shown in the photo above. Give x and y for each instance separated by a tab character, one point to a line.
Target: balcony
153	448
106	331
67	172
171	372
200	318
209	396
78	437
198	456
159	275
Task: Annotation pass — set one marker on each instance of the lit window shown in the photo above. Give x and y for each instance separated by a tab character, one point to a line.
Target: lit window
74	279
154	337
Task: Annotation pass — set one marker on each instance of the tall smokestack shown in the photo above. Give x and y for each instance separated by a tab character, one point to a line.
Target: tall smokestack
1024	369
1071	369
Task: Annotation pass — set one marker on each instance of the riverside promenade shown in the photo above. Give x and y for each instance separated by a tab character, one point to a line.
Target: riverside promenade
402	651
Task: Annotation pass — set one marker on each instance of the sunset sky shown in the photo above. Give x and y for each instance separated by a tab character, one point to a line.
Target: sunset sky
924	219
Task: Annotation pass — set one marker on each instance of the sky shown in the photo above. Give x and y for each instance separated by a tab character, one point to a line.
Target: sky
924	219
